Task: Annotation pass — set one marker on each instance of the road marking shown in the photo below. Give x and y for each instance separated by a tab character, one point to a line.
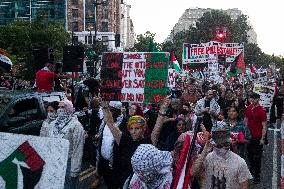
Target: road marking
87	170
274	173
87	176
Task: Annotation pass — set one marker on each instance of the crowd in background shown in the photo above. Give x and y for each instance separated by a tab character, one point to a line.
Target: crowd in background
202	135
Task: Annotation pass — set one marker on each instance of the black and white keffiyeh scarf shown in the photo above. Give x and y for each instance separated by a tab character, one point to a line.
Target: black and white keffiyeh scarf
152	166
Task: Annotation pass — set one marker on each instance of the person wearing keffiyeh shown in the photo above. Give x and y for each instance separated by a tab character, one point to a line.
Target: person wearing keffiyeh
68	127
152	168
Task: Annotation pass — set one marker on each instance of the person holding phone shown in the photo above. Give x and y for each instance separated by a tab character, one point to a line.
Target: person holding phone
209	109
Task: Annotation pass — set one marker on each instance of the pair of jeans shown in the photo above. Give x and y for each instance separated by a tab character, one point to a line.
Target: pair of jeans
70	182
255	151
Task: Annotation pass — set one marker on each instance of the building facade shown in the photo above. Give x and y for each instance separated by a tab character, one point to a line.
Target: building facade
13	10
191	15
126	27
87	20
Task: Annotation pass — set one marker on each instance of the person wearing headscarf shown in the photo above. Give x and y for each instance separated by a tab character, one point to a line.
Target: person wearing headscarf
152	168
51	116
126	143
68	127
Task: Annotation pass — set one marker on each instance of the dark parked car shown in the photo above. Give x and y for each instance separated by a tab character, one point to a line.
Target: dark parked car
23	112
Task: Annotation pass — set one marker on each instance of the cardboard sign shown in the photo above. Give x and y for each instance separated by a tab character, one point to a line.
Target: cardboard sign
111	76
200	53
171	78
266	96
140	77
32	162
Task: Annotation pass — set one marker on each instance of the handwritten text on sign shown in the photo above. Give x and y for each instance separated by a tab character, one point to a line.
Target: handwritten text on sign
133	76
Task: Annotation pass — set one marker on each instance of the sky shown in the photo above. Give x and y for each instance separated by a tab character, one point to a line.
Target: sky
160	16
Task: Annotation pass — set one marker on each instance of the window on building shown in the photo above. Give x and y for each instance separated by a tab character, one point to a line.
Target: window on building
104	26
105	14
75	40
90	39
75	2
90	25
105	40
75	13
75	26
105	2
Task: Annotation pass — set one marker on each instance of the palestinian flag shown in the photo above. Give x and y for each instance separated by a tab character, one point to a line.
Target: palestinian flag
5	62
137	77
30	163
175	63
238	66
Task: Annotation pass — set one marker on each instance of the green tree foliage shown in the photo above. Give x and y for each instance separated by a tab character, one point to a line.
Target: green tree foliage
237	32
253	54
205	31
144	41
21	37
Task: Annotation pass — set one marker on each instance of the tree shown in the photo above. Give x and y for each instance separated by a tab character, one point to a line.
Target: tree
21	37
253	54
205	31
143	41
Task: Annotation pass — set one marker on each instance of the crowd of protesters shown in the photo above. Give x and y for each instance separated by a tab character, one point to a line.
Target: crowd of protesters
203	135
200	136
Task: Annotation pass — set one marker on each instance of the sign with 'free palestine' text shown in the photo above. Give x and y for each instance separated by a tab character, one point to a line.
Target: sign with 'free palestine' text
200	53
140	77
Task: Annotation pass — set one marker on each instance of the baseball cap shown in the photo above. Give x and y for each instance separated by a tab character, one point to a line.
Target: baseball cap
221	133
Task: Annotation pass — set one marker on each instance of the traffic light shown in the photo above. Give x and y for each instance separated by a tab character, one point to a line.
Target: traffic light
117	40
221	35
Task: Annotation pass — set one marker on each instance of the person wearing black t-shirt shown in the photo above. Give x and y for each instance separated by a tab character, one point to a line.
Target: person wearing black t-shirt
127	144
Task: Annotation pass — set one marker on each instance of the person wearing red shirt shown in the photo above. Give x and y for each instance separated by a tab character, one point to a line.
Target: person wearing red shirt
255	118
45	78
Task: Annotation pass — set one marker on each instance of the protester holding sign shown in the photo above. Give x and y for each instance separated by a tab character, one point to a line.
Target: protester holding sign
126	146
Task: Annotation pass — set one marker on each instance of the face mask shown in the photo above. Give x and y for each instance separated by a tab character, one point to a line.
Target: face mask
61	112
221	152
152	180
51	115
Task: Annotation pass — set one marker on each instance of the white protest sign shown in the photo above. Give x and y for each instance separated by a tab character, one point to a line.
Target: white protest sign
133	76
198	75
199	53
171	78
216	78
260	77
266	95
213	66
32	162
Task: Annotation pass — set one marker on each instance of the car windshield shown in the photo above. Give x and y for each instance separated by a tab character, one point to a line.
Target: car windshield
4	101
